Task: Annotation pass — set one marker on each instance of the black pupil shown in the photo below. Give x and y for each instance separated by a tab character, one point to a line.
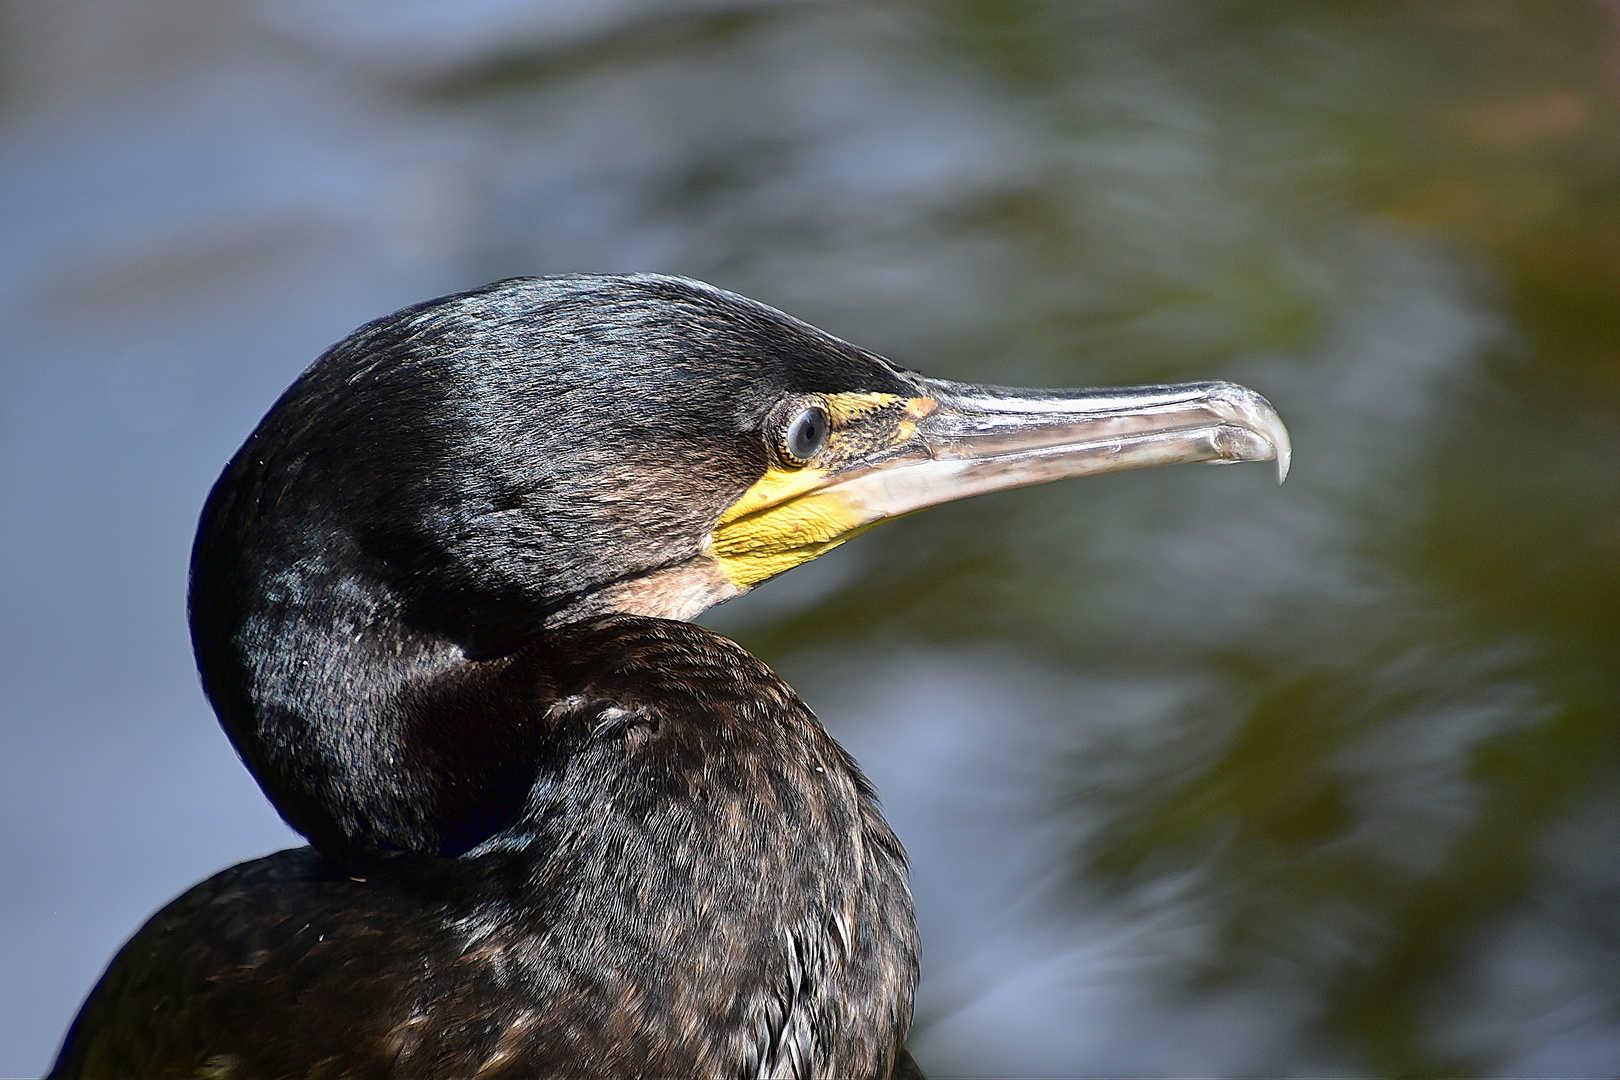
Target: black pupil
806	434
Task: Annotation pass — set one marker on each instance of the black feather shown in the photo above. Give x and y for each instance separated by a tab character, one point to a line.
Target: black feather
549	840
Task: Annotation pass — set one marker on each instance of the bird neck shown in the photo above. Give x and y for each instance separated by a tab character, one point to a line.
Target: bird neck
637	794
367	733
694	844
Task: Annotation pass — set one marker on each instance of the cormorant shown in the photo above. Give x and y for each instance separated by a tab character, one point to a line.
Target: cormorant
438	600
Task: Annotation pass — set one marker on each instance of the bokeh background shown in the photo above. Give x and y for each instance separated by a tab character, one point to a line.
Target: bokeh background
1199	775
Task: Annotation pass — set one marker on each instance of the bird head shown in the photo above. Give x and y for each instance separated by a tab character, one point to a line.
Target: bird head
452	481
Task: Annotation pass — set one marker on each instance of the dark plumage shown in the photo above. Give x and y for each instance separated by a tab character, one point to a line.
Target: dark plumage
643	883
437	602
439	489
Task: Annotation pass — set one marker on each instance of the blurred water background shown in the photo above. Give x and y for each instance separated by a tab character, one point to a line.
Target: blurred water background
1199	775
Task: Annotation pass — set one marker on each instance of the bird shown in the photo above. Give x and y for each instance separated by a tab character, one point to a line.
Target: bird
441	603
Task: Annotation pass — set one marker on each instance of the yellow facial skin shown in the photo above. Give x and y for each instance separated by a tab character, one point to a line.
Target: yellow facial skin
793	515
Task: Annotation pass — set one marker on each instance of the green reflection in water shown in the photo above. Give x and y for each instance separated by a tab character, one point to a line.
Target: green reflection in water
1402	222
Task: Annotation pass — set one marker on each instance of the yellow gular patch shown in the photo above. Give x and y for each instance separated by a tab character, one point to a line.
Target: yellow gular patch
796	523
793	515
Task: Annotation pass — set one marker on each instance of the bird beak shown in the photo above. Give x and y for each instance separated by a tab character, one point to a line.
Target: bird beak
986	438
954	440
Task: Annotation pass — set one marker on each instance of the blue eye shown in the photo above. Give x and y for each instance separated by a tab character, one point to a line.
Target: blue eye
803	437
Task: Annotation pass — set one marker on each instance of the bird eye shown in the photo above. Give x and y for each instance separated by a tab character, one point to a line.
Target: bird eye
804	436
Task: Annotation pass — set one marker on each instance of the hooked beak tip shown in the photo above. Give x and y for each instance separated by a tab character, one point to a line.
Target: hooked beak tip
1254	412
1276	434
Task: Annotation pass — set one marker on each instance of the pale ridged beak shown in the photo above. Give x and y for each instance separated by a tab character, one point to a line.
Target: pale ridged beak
955	440
987	438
